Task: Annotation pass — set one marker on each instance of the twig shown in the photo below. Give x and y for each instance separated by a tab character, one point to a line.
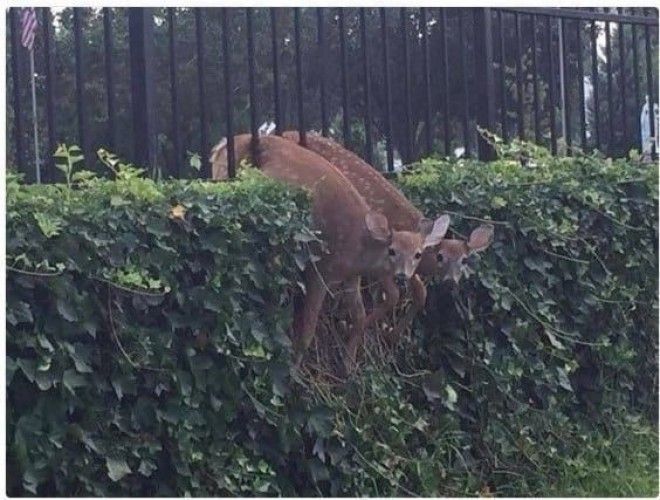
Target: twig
398	485
593	252
570	259
489	221
33	273
255	400
316	269
118	342
130	290
616	221
560	333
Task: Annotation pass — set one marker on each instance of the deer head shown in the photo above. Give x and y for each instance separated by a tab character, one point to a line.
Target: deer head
452	253
407	247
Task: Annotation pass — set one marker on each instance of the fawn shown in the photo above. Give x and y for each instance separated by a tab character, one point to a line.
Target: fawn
358	238
444	260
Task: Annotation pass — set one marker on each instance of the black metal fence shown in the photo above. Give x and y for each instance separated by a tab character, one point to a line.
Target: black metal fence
389	82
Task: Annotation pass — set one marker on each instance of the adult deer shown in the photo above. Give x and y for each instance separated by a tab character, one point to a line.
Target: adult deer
445	260
358	238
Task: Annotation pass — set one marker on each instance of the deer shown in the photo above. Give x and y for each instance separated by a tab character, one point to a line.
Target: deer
359	239
446	260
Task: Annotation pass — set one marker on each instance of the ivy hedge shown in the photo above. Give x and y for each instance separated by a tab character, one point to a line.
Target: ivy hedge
558	328
148	350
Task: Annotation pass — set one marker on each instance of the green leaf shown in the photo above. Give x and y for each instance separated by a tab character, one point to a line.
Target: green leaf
19	312
10	369
194	160
67	310
320	421
564	382
72	380
433	385
451	396
498	202
255	351
147	467
117	468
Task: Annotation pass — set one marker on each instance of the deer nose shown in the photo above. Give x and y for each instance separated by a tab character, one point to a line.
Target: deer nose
400	279
452	278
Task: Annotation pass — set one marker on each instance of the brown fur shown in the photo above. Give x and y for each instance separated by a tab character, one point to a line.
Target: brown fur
379	194
402	215
357	238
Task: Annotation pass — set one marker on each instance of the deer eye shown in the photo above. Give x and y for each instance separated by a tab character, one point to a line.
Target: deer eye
391	252
440	257
418	255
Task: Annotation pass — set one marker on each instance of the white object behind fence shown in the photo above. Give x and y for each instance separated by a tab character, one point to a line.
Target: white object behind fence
645	128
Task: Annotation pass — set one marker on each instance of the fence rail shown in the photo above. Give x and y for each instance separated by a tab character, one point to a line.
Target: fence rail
391	83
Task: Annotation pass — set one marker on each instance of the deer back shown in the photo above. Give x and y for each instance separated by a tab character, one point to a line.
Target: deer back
338	210
379	194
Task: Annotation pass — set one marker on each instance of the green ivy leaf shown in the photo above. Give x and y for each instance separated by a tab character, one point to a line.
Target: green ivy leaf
72	380
117	468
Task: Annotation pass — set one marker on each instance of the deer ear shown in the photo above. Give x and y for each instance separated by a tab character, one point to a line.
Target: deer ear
378	227
436	233
481	238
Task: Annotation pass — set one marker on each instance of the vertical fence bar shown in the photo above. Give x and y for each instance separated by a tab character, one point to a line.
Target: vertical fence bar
567	86
80	92
143	90
320	34
109	76
16	81
406	86
503	90
174	94
276	71
368	147
610	104
49	172
299	78
649	81
485	84
201	87
229	110
388	97
580	69
427	81
638	105
254	128
519	81
464	82
594	80
622	80
535	83
445	81
552	87
346	124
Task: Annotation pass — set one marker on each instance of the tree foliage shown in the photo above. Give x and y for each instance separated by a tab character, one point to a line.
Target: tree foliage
317	66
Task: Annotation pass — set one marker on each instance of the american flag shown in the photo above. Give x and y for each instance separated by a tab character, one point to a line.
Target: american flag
28	27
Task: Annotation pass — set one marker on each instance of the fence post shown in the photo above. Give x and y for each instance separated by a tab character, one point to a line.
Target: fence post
485	88
143	103
17	84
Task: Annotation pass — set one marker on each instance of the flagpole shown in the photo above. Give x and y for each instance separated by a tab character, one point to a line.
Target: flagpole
34	119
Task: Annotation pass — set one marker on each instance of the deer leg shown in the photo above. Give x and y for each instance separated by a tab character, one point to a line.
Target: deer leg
311	308
391	299
355	307
418	292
